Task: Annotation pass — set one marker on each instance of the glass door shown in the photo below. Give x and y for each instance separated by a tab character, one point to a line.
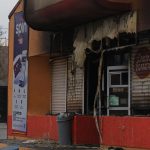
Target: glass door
118	97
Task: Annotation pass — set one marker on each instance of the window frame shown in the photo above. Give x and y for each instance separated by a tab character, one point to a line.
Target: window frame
114	70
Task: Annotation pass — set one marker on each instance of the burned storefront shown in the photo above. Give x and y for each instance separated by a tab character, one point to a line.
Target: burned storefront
103	49
99	66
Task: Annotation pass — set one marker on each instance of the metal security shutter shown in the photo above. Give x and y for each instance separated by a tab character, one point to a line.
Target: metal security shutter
59	85
75	88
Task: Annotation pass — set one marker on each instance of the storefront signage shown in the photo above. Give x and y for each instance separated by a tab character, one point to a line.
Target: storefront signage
20	73
142	62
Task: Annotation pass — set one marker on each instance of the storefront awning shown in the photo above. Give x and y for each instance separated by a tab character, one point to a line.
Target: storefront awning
56	15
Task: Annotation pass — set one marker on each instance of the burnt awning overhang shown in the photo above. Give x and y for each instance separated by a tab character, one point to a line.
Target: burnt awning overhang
57	15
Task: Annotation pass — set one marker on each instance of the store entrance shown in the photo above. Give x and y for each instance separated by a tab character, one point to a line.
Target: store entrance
91	81
3	112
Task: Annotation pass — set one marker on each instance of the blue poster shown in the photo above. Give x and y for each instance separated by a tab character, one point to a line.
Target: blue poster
20	73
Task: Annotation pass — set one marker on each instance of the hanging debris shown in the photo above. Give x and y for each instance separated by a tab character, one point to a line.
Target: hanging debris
127	23
80	45
108	31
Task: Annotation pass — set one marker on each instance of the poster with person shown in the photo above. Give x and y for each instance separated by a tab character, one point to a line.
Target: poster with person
20	73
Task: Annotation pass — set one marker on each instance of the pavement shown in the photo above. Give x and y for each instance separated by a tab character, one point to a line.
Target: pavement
42	145
3	130
51	145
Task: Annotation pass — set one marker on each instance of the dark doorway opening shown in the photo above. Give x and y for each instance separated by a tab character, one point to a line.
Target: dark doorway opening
91	81
3	104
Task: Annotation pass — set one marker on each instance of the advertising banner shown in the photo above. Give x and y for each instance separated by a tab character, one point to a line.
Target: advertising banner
20	73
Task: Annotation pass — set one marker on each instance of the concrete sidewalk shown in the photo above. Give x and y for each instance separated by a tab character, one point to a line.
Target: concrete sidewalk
42	145
3	131
50	145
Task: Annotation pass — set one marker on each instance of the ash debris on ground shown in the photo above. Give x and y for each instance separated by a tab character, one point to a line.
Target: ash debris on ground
45	145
